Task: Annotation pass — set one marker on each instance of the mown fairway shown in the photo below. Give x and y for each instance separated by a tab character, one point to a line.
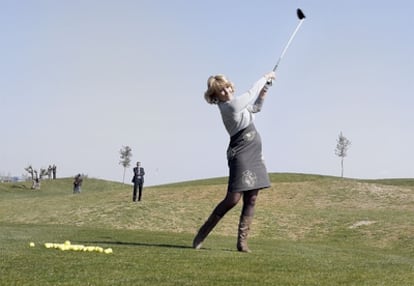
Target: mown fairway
308	230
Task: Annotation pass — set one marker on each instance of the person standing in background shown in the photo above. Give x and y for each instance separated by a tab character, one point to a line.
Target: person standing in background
138	181
77	184
54	171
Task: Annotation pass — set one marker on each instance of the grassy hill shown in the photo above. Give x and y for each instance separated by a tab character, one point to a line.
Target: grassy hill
308	230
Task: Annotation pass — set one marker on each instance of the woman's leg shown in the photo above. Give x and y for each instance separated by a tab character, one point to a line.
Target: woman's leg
221	209
246	218
227	203
249	202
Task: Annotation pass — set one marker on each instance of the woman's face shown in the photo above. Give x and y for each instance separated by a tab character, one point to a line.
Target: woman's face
226	94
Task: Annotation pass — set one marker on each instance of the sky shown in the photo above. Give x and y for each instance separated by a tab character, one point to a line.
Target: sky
80	79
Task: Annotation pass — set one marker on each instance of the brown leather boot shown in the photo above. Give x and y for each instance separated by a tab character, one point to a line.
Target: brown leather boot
244	227
205	230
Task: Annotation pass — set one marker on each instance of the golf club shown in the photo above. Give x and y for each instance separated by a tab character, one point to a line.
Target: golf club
301	17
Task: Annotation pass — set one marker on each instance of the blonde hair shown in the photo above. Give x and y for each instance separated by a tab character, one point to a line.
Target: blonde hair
215	84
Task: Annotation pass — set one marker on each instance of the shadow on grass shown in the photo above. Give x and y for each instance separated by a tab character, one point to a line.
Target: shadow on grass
21	186
162	245
138	244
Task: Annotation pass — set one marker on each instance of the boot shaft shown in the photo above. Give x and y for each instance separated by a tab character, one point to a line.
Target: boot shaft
243	232
205	229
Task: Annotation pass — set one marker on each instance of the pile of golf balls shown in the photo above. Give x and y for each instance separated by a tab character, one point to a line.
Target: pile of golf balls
67	245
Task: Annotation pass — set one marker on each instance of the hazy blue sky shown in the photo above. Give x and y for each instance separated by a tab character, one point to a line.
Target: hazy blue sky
80	79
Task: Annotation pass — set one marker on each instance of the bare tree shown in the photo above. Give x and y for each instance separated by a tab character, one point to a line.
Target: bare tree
126	154
342	146
30	170
42	173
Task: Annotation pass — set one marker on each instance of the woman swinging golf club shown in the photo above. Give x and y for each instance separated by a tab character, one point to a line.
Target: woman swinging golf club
248	172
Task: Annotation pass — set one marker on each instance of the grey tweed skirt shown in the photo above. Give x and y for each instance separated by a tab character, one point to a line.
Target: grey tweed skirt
245	161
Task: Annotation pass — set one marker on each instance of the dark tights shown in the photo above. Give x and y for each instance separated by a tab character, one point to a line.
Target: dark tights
231	199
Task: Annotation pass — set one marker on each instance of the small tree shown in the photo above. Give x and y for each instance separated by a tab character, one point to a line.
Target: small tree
30	170
42	173
342	146
126	154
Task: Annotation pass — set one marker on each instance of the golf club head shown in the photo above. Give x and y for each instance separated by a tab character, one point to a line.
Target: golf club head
300	14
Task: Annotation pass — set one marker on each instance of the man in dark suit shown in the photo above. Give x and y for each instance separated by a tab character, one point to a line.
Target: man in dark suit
138	181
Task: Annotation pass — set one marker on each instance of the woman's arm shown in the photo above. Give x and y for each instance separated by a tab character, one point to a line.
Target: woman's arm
257	106
244	100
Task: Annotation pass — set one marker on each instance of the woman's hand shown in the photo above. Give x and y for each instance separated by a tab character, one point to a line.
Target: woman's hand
270	76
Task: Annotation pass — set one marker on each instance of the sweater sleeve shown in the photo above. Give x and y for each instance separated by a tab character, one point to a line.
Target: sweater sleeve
245	99
257	106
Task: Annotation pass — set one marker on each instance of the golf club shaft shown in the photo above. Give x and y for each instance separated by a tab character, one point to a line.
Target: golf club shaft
288	44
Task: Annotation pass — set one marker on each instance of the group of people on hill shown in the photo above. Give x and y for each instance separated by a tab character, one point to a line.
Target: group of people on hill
51	173
38	176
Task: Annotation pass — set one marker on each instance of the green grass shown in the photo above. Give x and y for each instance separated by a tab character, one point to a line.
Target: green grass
308	230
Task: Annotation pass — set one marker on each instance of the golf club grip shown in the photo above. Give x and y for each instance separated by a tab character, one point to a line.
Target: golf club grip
270	82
